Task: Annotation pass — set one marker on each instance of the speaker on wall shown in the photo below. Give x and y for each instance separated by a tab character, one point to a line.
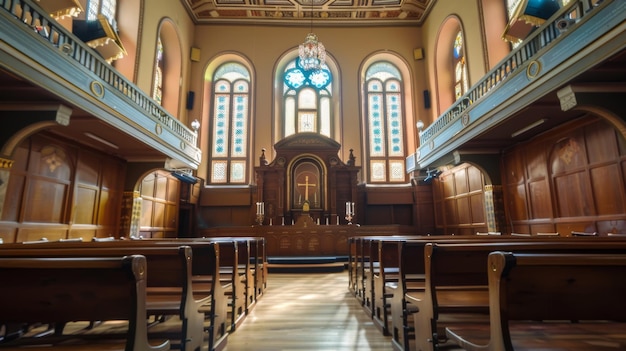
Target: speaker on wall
194	55
426	99
190	97
418	53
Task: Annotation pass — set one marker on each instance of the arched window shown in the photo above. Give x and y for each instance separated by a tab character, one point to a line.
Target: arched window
157	90
460	67
385	123
230	124
307	100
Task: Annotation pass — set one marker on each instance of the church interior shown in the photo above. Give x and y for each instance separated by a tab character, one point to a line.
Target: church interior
308	124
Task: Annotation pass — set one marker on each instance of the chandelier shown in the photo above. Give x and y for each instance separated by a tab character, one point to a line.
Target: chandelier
312	53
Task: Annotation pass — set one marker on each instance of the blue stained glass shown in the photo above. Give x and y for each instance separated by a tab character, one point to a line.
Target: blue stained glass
220	132
395	132
395	124
319	78
376	131
219	149
376	106
396	149
220	124
376	123
221	99
219	141
395	140
239	124
294	78
376	115
375	98
378	140
377	148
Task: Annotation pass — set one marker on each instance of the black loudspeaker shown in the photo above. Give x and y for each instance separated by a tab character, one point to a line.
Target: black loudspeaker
426	99
190	97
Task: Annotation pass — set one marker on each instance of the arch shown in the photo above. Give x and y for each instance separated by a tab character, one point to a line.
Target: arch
409	118
239	82
334	99
300	167
172	65
444	74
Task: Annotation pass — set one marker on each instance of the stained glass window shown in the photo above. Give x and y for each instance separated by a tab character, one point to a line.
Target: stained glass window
385	123
105	7
157	90
459	66
230	124
306	100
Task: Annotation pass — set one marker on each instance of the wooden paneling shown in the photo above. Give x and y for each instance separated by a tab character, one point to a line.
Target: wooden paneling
56	191
576	182
460	200
160	201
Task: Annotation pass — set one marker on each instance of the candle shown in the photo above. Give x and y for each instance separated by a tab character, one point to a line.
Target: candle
270	221
337	220
347	208
283	221
352	209
318	221
326	220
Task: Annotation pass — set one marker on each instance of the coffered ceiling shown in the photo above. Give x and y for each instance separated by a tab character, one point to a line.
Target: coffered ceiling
299	12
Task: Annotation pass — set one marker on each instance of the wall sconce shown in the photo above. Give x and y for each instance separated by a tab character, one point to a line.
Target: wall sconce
420	126
195	125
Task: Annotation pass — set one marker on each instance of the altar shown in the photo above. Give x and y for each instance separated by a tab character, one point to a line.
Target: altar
311	240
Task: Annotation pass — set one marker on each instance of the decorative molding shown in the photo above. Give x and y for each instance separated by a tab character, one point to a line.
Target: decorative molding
6	163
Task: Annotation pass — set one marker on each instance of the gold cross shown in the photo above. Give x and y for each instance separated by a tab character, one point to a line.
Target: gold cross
306	186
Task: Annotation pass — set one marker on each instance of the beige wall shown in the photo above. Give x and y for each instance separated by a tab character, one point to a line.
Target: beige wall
153	15
263	46
468	13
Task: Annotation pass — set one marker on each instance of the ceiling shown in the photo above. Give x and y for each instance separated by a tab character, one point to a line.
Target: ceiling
301	12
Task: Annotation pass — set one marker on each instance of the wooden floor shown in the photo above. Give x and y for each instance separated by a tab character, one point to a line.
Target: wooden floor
308	311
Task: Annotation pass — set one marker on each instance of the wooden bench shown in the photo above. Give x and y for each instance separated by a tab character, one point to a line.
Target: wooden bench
61	290
456	287
537	288
169	287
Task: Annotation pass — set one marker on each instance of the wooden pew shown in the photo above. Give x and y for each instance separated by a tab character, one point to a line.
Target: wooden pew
169	287
536	288
234	272
61	290
456	281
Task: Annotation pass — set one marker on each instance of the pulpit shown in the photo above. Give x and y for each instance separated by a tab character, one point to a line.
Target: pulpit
306	178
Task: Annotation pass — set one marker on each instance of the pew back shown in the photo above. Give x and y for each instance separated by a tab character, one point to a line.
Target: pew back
59	290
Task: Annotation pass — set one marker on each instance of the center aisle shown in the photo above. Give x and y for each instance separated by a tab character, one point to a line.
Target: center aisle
308	311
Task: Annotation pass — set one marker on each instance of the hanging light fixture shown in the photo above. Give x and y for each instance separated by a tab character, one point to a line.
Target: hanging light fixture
312	52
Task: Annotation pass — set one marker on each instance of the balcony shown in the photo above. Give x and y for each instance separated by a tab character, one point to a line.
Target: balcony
50	79
575	55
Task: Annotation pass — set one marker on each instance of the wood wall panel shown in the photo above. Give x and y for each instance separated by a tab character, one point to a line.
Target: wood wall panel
573	196
540	200
477	208
55	191
576	180
604	181
48	200
461	210
85	213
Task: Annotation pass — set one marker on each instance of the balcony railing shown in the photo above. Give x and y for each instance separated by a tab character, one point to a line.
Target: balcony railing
60	39
517	61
